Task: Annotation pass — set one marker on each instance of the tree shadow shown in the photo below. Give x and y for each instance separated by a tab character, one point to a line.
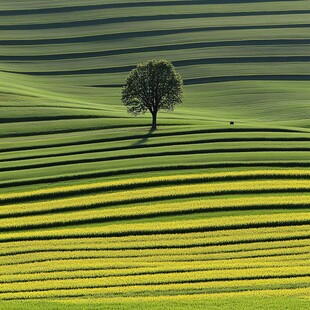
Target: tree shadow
145	138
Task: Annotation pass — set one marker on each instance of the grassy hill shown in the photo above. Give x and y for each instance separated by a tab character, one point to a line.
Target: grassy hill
97	212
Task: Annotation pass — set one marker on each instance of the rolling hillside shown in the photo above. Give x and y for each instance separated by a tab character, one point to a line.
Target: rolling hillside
97	212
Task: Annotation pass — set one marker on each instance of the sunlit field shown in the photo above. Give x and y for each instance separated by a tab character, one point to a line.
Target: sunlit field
99	212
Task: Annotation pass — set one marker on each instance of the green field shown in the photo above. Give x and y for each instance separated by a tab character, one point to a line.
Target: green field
99	212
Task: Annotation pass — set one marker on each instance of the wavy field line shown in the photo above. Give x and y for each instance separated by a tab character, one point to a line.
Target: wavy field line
157	168
257	239
213	130
140	271
285	243
44	218
135	196
156	48
145	18
175	133
185	226
141	34
152	145
177	63
218	242
186	277
176	296
13	166
140	183
154	257
68	8
56	264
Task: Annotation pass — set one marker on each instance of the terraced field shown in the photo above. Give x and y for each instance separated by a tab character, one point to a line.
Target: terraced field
98	212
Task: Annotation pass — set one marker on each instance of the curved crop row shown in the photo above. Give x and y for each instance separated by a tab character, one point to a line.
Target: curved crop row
172	192
212	224
139	183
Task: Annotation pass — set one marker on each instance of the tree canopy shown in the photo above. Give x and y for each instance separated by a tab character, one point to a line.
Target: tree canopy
152	86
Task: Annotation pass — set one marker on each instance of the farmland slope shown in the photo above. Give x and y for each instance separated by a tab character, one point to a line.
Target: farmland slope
99	212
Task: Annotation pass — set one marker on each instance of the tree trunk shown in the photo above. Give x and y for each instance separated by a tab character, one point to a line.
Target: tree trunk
154	120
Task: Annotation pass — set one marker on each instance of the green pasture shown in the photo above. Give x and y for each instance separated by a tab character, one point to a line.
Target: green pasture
224	303
99	212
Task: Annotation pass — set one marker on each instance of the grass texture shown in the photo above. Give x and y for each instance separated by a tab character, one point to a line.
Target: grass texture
99	212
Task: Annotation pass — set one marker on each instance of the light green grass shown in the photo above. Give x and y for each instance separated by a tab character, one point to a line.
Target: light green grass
216	304
222	222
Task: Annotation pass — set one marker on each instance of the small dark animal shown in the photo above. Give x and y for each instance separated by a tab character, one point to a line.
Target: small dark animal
232	123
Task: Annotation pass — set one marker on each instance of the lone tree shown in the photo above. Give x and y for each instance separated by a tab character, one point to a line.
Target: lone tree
152	86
